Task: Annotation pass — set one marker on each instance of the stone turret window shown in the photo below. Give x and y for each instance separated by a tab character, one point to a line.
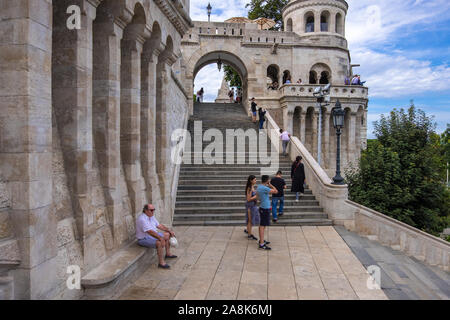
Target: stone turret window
312	77
339	24
289	27
324	21
324	78
309	27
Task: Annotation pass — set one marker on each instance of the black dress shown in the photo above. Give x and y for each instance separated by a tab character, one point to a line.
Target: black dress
298	177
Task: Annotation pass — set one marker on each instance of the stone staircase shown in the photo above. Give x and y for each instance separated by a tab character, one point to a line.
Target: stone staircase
214	194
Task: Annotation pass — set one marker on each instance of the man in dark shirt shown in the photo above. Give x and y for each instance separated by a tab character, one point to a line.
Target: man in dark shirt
279	183
253	106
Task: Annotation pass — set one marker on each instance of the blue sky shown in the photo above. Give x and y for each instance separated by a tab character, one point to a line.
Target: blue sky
403	47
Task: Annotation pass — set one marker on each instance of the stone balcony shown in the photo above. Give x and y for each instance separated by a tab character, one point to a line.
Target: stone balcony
336	92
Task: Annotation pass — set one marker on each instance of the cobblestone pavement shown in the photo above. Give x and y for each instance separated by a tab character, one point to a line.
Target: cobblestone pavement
220	263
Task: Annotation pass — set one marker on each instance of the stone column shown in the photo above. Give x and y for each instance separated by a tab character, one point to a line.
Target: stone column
106	114
352	139
288	119
317	22
72	103
148	122
26	141
326	139
303	127
332	23
130	113
314	134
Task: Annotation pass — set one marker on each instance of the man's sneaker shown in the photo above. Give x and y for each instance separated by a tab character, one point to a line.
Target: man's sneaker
252	237
264	247
275	220
280	214
245	230
266	242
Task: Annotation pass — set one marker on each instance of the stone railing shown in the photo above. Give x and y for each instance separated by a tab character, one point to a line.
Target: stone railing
357	218
337	91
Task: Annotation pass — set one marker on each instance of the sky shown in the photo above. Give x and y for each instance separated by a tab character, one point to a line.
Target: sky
403	47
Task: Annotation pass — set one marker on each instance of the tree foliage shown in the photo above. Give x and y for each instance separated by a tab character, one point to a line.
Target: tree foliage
399	174
270	9
232	77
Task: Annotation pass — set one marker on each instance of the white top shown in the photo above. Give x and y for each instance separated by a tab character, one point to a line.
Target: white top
143	224
285	136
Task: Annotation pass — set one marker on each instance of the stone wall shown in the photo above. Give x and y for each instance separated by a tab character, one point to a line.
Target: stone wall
78	142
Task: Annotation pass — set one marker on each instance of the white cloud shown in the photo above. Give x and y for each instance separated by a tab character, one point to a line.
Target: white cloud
373	29
221	10
396	76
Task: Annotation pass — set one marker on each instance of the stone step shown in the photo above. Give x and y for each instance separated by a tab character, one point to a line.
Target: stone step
234	182
240	203
224	188
237	216
192	192
244	171
230	197
241	209
241	222
229	177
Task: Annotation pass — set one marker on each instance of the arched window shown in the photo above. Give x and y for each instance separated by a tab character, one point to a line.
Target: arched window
287	77
322	74
339	24
324	20
312	77
272	73
324	78
289	25
309	18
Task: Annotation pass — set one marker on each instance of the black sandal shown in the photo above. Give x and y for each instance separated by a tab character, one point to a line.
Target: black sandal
166	266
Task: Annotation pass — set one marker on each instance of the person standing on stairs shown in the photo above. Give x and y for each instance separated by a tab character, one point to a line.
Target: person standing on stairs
252	213
279	183
253	108
298	177
264	191
285	138
262	117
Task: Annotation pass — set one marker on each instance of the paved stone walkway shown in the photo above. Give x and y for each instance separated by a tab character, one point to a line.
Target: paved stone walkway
402	277
220	263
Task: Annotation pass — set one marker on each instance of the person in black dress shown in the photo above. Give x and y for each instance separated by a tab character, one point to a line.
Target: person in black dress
298	177
261	114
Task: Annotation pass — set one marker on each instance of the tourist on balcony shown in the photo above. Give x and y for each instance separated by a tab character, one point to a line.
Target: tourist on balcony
252	211
253	108
299	81
279	183
347	81
285	138
361	83
298	178
148	235
288	80
262	117
264	190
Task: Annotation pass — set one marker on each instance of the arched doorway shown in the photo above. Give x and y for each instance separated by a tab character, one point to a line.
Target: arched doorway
229	59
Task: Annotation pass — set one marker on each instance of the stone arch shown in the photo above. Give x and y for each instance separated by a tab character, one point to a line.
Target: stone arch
346	138
232	56
297	126
322	72
273	72
309	19
312	77
289	25
360	123
325	21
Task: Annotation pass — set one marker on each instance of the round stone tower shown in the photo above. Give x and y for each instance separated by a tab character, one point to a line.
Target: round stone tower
315	17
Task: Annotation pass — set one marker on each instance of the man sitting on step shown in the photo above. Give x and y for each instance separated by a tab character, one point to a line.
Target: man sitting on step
148	235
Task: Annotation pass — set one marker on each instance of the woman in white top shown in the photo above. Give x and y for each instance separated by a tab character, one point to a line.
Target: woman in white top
285	138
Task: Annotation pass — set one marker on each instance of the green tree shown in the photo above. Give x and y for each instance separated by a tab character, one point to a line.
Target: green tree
399	174
232	77
270	9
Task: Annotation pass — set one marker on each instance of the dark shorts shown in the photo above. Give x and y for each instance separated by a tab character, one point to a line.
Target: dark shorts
264	215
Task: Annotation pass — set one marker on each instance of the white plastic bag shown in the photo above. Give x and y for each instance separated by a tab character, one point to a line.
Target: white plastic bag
173	242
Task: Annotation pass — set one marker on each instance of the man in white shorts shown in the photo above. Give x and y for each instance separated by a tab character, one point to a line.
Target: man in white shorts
148	235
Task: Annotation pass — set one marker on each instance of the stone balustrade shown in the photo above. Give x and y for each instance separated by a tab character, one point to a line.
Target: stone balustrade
337	91
355	217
